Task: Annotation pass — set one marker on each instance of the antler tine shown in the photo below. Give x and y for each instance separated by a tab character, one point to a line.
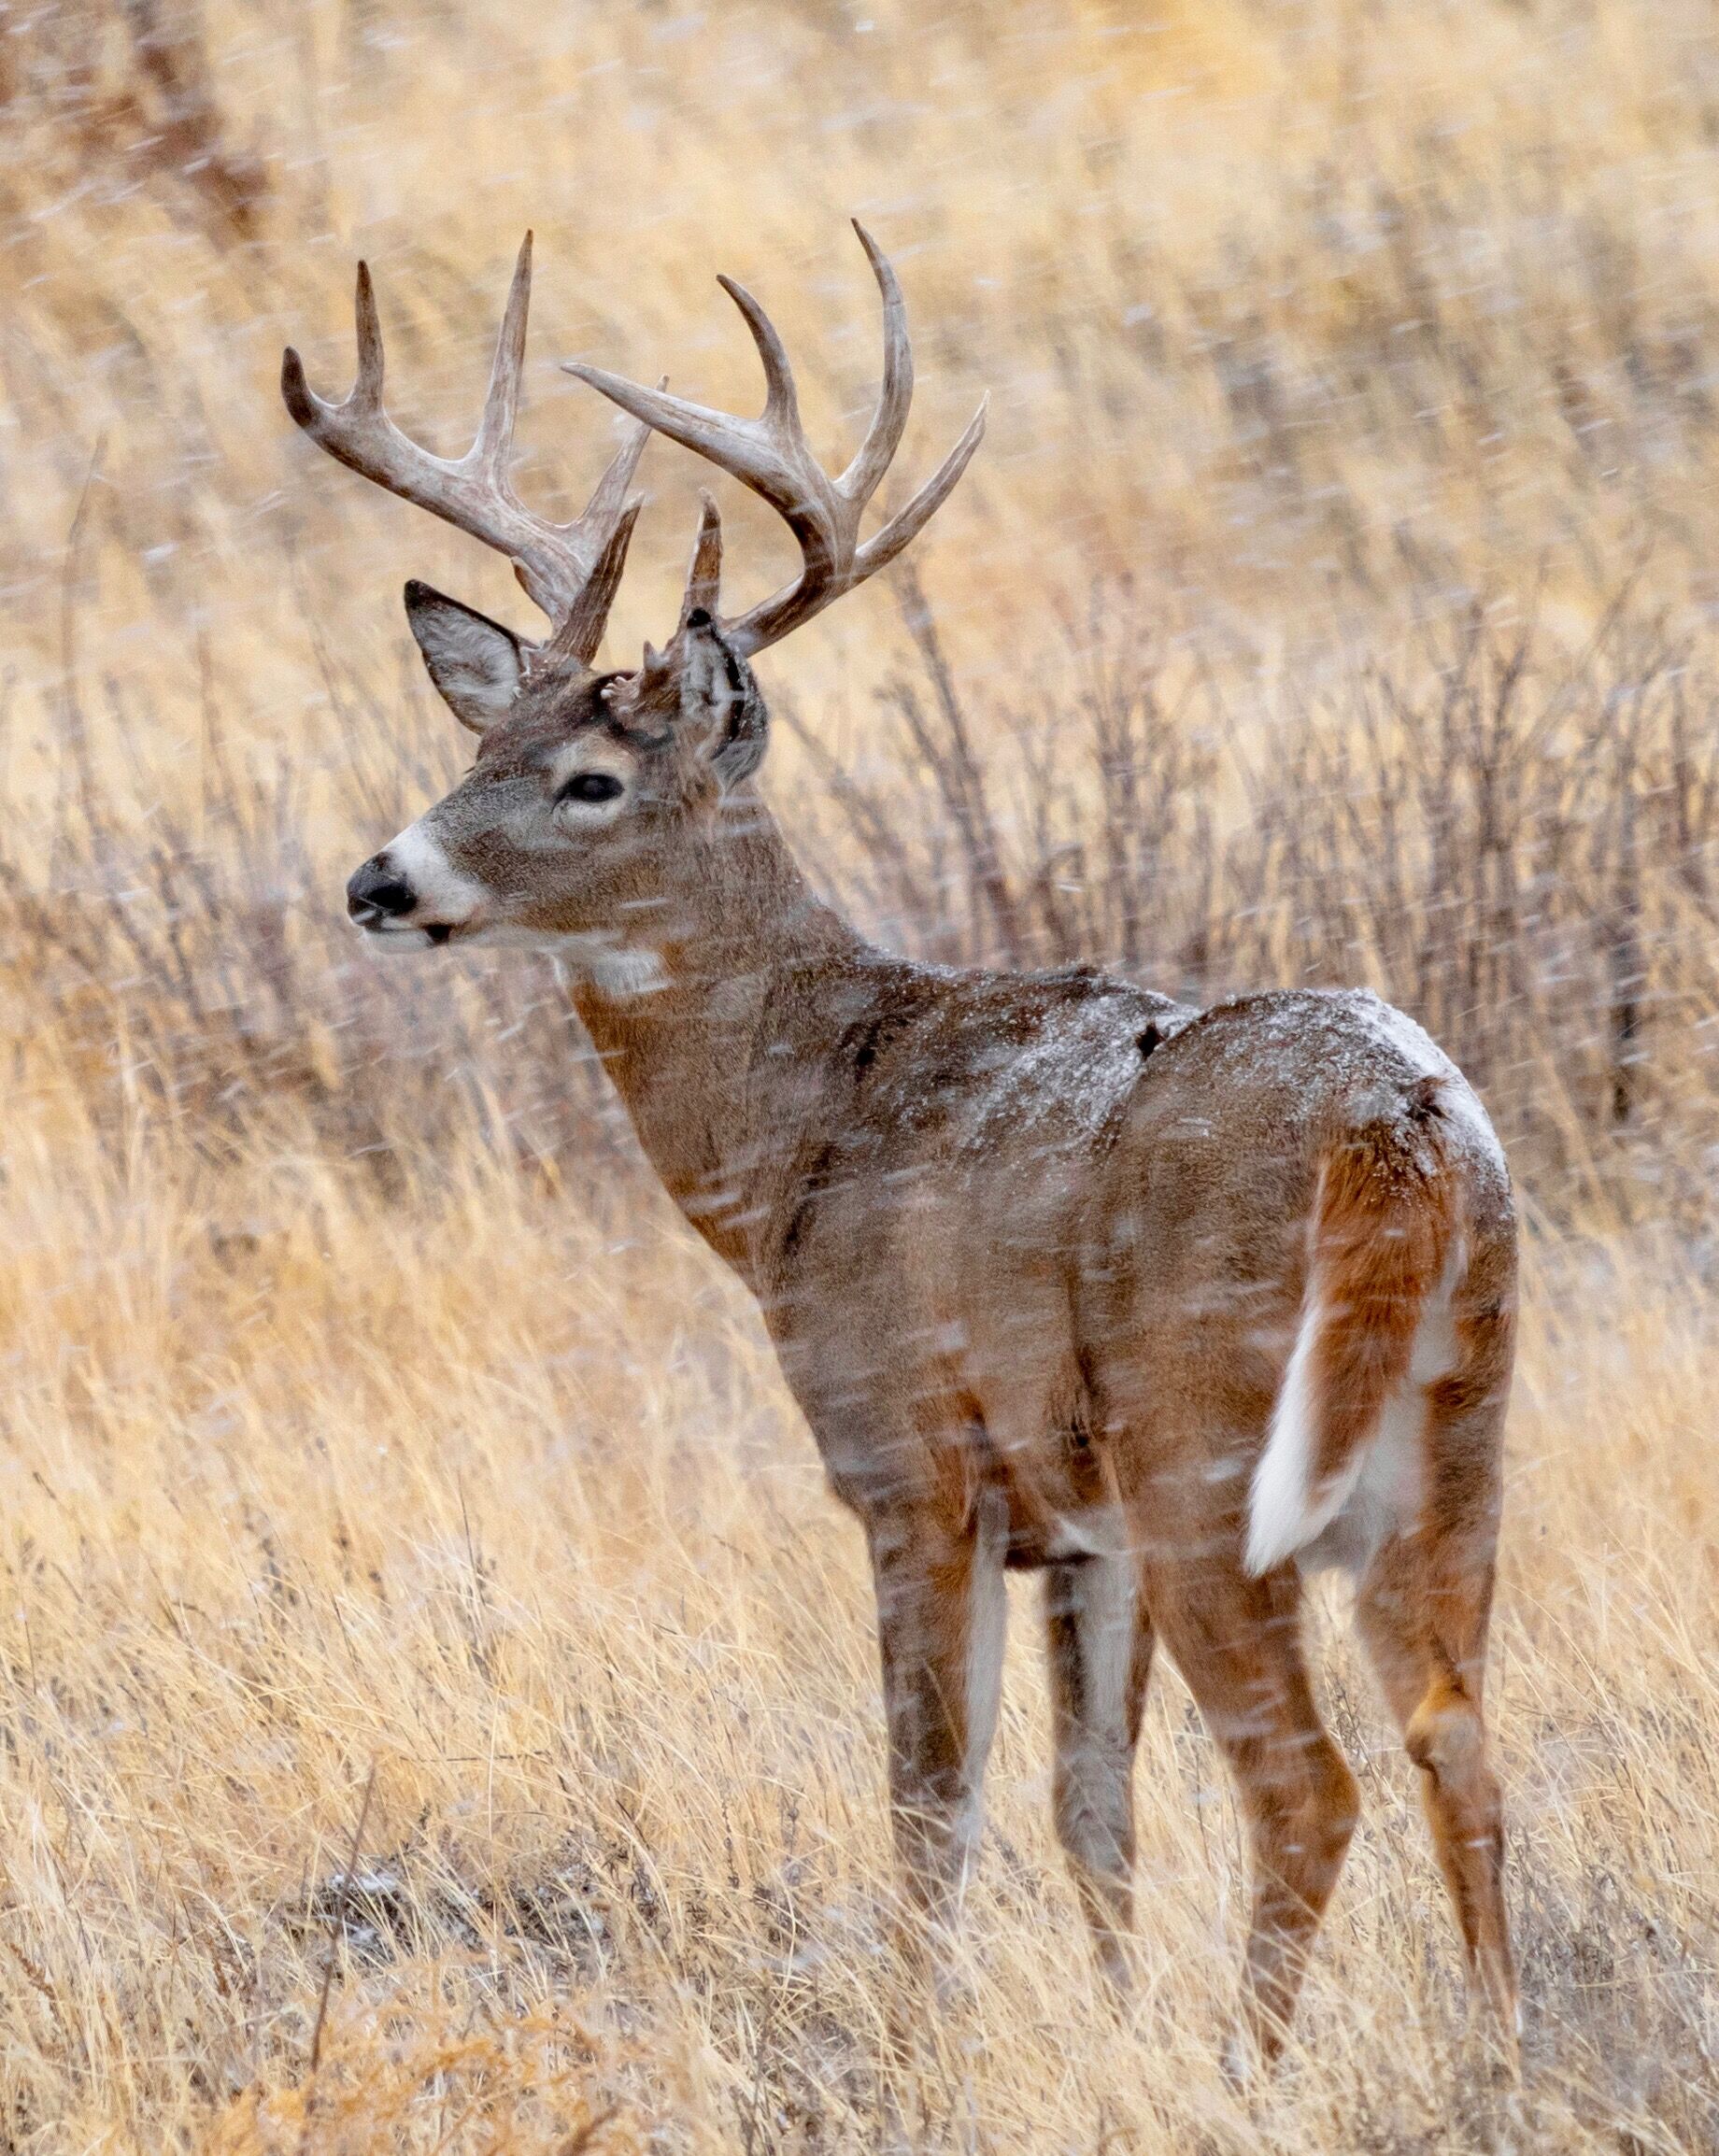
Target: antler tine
609	498
564	568
771	456
781	412
502	398
861	480
907	523
704	571
323	421
580	635
368	322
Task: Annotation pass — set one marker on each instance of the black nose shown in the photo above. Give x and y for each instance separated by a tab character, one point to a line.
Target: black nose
376	893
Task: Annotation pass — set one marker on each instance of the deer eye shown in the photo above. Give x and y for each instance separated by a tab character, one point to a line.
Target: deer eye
591	785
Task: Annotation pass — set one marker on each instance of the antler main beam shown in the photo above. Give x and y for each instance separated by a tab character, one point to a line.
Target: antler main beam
571	571
771	456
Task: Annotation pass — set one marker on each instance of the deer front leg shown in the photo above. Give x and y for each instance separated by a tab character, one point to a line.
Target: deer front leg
941	1610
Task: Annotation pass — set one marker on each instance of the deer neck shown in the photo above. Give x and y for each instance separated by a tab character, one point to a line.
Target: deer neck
709	1035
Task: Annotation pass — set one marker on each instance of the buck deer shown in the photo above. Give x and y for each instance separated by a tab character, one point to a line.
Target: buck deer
1174	1307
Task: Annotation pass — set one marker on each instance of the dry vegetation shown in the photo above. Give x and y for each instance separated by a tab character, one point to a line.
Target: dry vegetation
1332	600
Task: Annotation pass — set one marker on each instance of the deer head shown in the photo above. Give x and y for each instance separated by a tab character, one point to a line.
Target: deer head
589	789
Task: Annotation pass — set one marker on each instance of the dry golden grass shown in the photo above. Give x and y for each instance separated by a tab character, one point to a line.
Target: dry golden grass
461	1482
365	1409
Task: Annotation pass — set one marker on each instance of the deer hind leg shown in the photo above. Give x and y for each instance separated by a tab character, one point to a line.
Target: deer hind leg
1237	1642
1101	1654
1422	1610
942	1612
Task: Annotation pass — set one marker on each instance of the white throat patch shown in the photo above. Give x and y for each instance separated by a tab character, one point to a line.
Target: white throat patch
620	969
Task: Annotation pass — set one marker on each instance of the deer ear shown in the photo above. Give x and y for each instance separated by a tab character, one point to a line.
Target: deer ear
476	663
719	691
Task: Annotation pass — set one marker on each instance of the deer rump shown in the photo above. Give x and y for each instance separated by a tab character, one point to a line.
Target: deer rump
1344	1460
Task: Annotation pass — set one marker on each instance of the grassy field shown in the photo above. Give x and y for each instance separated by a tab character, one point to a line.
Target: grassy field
396	1494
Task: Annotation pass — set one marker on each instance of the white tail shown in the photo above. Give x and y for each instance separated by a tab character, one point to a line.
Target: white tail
1381	1231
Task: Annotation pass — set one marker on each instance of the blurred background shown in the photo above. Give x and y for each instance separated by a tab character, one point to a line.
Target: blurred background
1332	600
1332	597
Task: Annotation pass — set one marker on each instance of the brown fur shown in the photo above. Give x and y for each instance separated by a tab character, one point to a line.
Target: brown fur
1035	1286
1383	1223
1033	1249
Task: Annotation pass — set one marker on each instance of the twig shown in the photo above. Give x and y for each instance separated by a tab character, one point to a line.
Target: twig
77	734
335	1922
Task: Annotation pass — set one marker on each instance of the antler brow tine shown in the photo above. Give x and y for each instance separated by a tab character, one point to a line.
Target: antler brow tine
704	571
571	571
771	456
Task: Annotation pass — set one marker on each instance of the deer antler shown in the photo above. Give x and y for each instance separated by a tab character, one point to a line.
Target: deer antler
571	571
771	455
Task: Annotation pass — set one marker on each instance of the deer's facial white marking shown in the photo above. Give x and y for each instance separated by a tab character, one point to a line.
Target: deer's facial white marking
446	899
532	824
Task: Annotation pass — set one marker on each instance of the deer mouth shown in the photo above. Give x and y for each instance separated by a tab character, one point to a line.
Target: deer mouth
404	936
